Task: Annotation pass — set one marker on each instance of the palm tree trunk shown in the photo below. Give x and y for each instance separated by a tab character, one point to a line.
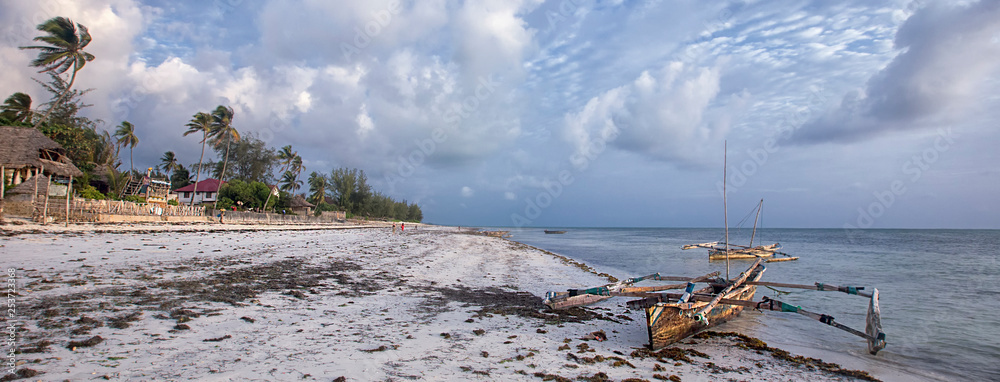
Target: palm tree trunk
61	96
271	191
198	174
131	163
223	175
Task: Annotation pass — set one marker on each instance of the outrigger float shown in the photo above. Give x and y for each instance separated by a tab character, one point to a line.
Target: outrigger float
671	317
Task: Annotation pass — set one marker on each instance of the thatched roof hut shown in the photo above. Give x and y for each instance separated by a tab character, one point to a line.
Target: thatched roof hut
27	148
299	205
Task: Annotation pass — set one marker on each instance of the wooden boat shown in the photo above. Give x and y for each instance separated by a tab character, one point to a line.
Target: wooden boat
671	317
726	251
551	232
745	253
668	321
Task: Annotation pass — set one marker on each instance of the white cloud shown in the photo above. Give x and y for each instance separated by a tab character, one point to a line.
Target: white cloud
509	195
467	192
661	114
365	124
946	55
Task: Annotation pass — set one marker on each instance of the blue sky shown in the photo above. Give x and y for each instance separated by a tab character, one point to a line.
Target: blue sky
575	112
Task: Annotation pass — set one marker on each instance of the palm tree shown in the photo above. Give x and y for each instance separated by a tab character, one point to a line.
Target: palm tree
297	166
200	123
317	188
126	137
286	157
106	151
17	108
222	129
64	50
169	162
290	182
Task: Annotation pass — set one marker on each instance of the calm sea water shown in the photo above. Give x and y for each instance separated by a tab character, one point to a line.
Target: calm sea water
939	290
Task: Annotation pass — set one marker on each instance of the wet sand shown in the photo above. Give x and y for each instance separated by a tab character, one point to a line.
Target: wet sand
364	304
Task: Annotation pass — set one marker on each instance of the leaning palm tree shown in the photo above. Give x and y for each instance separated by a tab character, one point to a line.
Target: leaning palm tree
64	51
126	137
200	123
286	157
168	162
17	108
290	182
223	130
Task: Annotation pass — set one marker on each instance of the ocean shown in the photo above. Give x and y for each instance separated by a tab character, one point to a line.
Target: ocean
938	290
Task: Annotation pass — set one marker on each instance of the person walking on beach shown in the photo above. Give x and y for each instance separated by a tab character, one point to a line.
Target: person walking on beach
402	227
393	227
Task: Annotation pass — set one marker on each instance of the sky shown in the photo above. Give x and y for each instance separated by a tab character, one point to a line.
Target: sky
619	113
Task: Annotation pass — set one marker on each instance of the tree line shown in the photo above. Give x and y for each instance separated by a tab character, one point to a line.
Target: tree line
243	161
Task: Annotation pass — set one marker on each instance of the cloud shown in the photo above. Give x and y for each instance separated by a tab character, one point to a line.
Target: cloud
947	53
467	192
666	114
509	195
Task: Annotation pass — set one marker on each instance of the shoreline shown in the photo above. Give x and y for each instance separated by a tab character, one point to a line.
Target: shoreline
365	304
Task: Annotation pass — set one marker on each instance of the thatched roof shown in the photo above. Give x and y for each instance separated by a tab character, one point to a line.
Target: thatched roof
28	147
299	202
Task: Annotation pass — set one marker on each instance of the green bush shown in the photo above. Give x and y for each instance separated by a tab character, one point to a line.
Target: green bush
134	198
225	203
89	192
173	202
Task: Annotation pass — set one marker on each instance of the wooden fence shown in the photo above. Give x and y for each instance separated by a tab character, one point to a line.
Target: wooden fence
246	217
120	207
88	210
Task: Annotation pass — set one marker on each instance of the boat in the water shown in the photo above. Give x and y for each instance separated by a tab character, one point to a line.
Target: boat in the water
671	317
725	251
552	232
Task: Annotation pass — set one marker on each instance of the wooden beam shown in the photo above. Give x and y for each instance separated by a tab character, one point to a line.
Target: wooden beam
69	193
45	208
739	281
817	286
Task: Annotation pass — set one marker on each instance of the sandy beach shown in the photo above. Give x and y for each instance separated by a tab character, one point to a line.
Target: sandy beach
365	304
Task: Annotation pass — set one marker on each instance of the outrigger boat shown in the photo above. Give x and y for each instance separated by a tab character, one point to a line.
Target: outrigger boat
671	317
724	250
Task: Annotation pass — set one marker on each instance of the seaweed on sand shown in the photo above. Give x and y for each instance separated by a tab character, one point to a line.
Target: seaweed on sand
751	343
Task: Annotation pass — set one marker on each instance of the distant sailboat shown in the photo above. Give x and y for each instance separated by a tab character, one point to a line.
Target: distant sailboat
718	250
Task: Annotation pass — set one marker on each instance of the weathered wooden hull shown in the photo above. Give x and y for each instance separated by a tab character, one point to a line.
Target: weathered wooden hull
671	322
749	253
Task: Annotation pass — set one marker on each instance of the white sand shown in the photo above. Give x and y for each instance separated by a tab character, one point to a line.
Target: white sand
402	295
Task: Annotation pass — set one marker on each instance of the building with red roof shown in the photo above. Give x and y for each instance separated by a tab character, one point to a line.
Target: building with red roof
208	192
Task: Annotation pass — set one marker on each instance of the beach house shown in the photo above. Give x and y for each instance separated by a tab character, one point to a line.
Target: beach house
300	206
207	192
27	152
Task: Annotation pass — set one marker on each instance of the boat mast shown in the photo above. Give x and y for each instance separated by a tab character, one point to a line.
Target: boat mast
759	206
725	207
